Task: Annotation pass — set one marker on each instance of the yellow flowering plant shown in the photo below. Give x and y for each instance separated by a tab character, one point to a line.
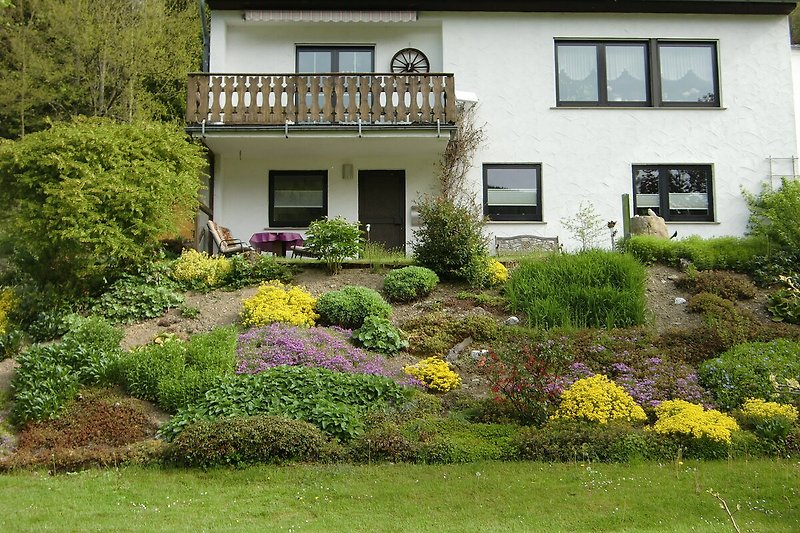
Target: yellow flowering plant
598	399
7	303
770	420
498	273
276	302
435	373
682	418
197	270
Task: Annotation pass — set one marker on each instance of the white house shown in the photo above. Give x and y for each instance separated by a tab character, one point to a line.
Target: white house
329	107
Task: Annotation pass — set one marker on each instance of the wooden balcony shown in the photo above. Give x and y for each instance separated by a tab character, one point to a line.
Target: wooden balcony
402	100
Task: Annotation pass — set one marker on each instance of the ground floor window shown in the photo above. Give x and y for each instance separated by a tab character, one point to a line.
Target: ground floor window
512	191
674	192
297	197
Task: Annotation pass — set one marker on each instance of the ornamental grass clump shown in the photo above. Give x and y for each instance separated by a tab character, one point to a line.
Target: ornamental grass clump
198	271
276	302
435	374
683	419
283	344
598	399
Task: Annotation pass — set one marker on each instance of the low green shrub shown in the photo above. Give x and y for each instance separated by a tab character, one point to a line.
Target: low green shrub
435	333
770	421
198	271
775	213
409	283
590	289
727	253
251	269
49	376
379	335
333	240
335	402
744	371
767	269
479	327
784	304
10	343
130	299
721	283
249	440
349	306
143	368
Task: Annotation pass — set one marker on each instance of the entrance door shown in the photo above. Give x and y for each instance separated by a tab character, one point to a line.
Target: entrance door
382	204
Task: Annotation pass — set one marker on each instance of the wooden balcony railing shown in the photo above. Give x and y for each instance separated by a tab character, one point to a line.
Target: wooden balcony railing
323	99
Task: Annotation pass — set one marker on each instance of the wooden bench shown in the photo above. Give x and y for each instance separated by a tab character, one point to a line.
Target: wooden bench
521	244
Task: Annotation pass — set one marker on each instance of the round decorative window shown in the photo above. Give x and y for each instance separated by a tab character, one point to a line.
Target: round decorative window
410	60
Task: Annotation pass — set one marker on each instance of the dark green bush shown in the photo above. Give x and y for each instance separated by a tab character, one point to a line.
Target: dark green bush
590	289
784	304
450	238
175	374
744	371
49	376
775	213
379	335
409	283
767	269
10	343
333	401
728	253
721	283
133	298
249	440
348	307
251	269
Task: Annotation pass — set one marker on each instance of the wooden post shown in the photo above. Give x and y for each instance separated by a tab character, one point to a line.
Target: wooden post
626	216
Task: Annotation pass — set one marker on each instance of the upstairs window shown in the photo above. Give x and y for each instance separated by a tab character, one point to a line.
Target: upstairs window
652	73
326	59
512	192
674	192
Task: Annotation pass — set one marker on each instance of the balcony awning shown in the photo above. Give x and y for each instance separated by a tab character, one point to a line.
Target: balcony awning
330	16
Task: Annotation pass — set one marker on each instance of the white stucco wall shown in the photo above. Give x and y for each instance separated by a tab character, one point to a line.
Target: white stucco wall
796	85
586	154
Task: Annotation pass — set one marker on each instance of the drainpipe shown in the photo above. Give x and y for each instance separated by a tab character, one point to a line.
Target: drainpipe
206	44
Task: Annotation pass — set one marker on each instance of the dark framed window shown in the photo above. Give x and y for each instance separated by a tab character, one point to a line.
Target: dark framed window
325	59
647	73
296	197
674	192
512	191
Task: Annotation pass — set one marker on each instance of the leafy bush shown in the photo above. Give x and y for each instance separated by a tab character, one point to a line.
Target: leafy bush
249	269
692	422
775	213
333	401
435	374
483	272
248	440
333	241
8	301
769	420
577	440
89	200
784	304
349	306
721	283
175	373
279	344
594	289
276	302
197	271
10	343
744	371
130	299
450	238
409	283
727	253
767	269
49	376
379	334
598	399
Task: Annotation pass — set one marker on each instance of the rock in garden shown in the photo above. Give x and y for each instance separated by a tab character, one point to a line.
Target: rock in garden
680	301
649	225
477	354
511	321
456	350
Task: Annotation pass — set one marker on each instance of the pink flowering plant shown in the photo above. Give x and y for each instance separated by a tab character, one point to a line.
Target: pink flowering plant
283	344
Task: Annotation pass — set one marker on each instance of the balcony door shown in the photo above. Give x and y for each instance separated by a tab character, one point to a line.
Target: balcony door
382	205
334	59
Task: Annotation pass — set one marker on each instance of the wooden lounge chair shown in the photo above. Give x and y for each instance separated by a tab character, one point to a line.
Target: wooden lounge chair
224	241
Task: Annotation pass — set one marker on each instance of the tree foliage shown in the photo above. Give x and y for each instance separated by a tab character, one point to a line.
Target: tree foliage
88	200
123	59
775	213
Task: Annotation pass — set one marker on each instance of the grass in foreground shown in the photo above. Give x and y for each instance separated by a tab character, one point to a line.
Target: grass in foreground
481	497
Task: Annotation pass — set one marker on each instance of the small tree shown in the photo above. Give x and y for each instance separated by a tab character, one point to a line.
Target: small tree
775	213
86	201
586	226
333	241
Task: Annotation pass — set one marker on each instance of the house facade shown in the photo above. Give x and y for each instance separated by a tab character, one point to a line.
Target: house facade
314	108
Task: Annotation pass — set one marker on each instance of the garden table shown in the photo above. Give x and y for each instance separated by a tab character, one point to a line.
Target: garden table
276	242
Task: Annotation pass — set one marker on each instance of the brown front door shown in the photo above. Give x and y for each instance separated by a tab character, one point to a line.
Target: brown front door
382	205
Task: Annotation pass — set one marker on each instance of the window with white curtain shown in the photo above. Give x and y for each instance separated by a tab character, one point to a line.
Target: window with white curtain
648	73
512	191
674	192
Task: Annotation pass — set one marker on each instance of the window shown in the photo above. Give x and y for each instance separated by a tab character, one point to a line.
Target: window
325	59
620	73
297	197
674	192
512	191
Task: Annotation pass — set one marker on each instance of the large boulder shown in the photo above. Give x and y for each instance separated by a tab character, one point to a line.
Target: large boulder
649	225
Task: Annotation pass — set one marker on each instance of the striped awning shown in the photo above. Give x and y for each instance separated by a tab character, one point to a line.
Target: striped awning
331	16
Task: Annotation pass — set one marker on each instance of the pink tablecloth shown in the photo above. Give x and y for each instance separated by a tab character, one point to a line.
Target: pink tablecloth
276	242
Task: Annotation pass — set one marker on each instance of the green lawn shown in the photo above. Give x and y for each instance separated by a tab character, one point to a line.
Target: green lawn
463	498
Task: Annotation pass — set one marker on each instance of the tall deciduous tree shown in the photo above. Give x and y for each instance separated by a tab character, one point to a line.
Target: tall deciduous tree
124	59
